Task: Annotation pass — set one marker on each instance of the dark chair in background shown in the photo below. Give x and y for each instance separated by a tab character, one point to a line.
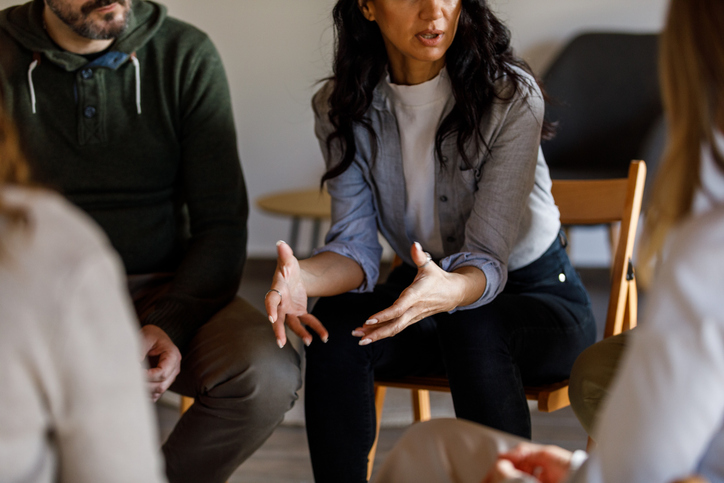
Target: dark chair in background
604	97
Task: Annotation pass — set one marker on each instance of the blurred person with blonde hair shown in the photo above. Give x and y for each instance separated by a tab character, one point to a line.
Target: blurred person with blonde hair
127	112
73	405
663	418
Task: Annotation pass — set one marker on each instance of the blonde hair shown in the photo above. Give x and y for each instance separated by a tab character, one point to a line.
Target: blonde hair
13	170
692	82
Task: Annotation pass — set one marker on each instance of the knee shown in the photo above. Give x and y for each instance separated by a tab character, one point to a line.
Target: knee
267	381
242	369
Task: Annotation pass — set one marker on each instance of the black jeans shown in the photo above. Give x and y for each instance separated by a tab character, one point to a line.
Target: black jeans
530	334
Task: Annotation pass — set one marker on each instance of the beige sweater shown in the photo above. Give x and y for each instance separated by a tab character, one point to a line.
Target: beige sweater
73	407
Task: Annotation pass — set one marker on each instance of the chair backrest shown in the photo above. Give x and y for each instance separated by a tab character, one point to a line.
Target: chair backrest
595	202
604	96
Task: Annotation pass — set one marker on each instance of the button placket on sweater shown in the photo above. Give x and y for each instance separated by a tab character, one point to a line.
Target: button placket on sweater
91	106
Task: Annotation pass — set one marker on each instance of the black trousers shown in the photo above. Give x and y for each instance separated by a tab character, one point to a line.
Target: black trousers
530	334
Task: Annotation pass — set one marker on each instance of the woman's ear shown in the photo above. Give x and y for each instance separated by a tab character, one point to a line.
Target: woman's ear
367	9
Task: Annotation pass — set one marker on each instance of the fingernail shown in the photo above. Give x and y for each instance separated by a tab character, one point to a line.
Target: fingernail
280	242
270	319
417	244
280	343
358	333
365	341
325	339
307	342
371	322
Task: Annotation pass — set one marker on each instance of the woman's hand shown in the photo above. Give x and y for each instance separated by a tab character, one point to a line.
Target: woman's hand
433	291
549	464
287	300
502	471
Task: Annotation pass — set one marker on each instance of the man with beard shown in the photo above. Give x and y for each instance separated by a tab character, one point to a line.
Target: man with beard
127	112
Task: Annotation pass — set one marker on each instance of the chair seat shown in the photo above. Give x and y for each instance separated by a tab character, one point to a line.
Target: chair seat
550	397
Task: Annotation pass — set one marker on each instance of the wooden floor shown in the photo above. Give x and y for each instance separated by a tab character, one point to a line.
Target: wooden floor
284	458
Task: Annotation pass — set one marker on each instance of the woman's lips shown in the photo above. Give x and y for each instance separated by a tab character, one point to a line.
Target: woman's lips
430	38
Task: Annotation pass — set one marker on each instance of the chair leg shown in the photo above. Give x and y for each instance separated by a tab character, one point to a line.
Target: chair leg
186	403
380	392
590	446
630	315
421	404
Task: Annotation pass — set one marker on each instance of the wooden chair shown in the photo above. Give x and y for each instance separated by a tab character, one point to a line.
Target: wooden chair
581	202
186	403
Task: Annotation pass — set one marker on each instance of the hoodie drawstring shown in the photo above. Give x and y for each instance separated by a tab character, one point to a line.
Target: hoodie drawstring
33	65
137	65
36	62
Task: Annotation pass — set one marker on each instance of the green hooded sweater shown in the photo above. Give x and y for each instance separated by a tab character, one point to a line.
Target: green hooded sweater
143	140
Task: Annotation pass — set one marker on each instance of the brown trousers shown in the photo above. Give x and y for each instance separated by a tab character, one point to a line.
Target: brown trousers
242	382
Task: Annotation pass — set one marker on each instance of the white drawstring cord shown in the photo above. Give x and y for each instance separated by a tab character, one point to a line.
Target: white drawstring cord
137	65
33	65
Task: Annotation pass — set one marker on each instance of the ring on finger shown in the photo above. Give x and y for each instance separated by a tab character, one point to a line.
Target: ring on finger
429	259
274	290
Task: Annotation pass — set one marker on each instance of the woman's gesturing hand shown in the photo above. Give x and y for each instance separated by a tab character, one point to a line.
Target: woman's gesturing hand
286	301
433	291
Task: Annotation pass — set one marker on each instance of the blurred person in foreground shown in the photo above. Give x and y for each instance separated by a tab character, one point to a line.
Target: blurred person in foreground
73	405
663	418
127	112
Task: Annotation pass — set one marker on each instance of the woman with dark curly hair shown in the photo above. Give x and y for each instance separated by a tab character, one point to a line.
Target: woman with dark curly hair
430	128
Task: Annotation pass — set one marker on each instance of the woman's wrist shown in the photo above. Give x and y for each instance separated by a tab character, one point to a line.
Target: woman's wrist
329	274
470	285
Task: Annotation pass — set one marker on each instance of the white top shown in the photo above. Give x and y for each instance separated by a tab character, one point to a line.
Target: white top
664	417
711	193
419	110
73	404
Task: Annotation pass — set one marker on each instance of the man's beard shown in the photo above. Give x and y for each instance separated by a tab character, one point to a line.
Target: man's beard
80	23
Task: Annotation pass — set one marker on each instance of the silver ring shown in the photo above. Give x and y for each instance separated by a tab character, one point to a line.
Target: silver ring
429	259
273	290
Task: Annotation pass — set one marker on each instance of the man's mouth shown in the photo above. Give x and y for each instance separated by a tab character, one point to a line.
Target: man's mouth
101	6
106	9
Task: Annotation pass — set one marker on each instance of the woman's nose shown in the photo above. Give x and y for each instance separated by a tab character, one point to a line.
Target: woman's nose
431	10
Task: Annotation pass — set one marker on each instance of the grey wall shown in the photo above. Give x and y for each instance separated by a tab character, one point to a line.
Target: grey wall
275	51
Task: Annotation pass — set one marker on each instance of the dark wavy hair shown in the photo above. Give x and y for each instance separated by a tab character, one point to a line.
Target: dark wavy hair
479	55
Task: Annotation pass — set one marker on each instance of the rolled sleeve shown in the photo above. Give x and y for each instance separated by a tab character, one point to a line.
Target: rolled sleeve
362	256
353	232
504	188
495	272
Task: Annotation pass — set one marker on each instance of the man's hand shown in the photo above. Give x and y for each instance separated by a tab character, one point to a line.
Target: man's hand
164	359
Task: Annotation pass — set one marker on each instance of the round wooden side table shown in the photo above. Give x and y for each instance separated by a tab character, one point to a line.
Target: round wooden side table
310	204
